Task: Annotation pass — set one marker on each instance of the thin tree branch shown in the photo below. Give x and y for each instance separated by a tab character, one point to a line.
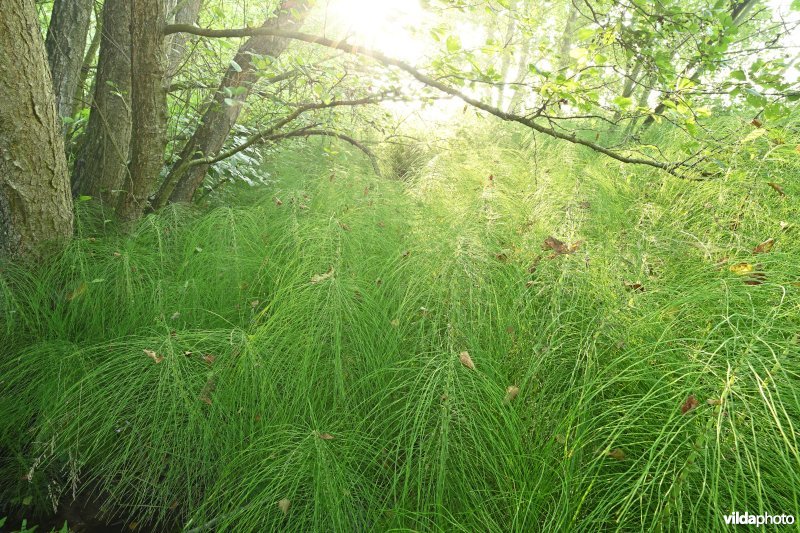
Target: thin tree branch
267	132
672	168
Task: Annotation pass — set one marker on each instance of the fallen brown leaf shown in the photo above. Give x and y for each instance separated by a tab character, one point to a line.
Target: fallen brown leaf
154	356
637	287
764	247
208	389
559	247
778	189
78	292
690	403
466	360
319	278
617	454
511	393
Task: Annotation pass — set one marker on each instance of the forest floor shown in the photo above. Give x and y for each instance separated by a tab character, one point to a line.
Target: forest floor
506	341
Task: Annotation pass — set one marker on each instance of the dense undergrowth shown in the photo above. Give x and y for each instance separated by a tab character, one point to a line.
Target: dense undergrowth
306	348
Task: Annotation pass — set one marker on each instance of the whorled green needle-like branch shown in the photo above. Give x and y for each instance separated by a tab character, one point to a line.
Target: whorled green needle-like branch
677	169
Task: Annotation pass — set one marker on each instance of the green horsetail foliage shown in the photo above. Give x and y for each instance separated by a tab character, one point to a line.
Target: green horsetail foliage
298	363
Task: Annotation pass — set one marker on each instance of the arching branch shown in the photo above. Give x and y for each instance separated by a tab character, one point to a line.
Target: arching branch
674	168
342	137
266	134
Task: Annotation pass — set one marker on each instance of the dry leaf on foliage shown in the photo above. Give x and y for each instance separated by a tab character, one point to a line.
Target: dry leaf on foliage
511	393
635	286
778	189
325	436
617	454
78	292
284	505
741	269
690	403
319	278
466	360
154	356
764	247
560	248
205	394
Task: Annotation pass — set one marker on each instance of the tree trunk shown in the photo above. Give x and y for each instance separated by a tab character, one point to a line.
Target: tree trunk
102	162
522	68
149	101
505	62
35	204
567	36
66	44
630	82
219	117
186	12
80	101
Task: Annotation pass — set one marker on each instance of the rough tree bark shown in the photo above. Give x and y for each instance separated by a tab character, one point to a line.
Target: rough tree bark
66	44
149	103
80	100
35	204
102	161
185	12
219	117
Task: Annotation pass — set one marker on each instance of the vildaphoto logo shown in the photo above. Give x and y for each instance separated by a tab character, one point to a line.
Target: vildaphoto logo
747	519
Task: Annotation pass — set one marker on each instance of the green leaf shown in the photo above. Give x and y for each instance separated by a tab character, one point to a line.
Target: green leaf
585	33
453	43
578	53
775	111
623	101
235	66
738	75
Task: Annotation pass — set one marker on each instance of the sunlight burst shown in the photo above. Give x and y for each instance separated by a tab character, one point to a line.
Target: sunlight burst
385	25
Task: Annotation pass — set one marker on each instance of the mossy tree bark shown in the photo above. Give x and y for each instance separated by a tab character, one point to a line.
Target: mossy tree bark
102	161
149	106
66	44
35	203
